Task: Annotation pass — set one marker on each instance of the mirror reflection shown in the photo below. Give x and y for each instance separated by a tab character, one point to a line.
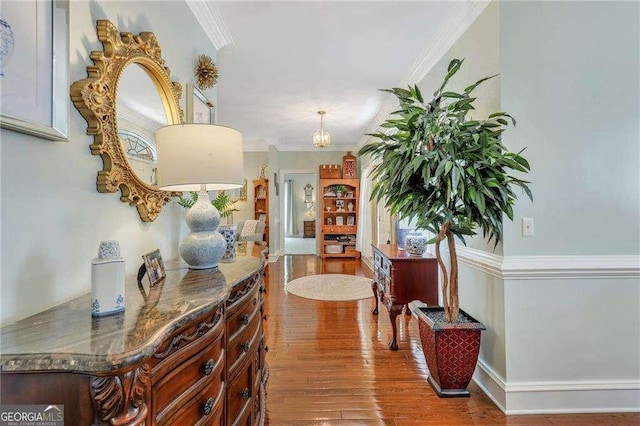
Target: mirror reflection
140	112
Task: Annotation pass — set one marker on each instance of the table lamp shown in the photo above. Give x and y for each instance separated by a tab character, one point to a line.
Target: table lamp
200	157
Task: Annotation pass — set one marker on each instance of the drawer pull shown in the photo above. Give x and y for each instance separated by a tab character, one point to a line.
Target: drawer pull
245	346
245	394
207	407
245	319
208	367
255	301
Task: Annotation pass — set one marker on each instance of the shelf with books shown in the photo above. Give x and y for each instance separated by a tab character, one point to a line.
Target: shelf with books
339	217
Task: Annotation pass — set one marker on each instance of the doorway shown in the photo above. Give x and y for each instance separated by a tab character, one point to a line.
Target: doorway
299	211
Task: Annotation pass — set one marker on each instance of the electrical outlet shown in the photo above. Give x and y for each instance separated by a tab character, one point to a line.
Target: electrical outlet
527	227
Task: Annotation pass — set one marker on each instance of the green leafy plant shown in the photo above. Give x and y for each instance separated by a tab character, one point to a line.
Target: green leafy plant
341	188
451	174
223	202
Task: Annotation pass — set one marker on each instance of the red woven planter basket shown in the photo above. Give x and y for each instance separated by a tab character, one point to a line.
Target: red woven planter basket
451	351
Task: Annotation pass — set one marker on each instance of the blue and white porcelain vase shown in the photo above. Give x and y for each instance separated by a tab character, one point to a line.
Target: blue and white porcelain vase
415	244
229	233
107	280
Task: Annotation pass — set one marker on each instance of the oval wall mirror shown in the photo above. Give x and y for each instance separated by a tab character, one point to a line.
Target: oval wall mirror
140	113
128	94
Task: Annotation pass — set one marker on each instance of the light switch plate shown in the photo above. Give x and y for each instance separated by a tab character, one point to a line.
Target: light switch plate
527	227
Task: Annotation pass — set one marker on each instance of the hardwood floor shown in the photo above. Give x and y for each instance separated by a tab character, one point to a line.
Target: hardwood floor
330	365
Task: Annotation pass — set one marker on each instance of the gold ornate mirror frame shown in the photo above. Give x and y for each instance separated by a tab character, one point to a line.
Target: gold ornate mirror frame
95	98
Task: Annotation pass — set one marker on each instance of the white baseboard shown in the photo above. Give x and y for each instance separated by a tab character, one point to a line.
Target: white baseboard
273	258
558	397
491	384
573	397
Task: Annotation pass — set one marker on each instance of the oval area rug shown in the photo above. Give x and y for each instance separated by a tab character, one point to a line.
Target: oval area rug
331	287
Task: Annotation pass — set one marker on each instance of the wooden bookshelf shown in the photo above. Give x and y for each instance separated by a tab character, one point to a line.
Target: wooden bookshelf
339	217
261	204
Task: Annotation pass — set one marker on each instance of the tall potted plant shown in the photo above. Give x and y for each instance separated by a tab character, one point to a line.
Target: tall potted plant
451	174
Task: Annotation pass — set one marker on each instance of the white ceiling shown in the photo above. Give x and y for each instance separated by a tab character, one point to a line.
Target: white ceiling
280	62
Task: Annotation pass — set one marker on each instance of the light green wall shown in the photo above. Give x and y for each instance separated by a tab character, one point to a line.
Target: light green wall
576	91
53	218
570	75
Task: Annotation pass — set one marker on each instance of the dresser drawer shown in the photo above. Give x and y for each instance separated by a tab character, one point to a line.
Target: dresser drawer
241	293
243	344
377	259
187	341
240	396
205	369
386	267
241	318
204	408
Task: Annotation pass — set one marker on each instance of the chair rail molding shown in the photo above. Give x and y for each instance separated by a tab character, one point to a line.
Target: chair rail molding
550	267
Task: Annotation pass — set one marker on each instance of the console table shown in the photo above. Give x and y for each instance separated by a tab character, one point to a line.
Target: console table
399	279
190	350
309	229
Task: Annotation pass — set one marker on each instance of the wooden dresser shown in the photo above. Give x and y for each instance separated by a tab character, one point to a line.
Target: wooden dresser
309	229
188	351
399	279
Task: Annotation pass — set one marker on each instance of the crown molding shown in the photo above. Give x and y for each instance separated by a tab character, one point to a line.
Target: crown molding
467	12
264	147
210	19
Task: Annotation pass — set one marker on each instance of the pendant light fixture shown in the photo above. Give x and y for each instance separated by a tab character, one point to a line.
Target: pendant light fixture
321	138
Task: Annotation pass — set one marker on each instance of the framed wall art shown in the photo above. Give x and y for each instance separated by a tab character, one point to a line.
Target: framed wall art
199	109
34	68
243	192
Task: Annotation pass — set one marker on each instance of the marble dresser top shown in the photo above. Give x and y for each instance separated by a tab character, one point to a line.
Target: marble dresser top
67	338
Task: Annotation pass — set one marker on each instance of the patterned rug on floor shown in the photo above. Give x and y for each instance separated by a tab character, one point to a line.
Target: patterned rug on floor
332	287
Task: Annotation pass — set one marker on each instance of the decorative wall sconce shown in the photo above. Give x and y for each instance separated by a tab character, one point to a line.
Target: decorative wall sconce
308	196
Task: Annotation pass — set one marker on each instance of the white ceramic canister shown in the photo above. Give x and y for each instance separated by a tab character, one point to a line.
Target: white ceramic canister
107	280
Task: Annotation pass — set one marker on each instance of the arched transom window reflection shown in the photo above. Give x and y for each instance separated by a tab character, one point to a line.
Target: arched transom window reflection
138	146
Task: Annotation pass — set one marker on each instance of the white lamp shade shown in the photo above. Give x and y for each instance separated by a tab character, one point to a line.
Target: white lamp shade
193	155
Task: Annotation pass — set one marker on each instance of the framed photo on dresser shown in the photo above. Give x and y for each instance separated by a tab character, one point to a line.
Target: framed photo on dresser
155	267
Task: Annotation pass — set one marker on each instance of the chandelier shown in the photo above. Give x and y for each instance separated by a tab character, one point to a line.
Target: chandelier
321	138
